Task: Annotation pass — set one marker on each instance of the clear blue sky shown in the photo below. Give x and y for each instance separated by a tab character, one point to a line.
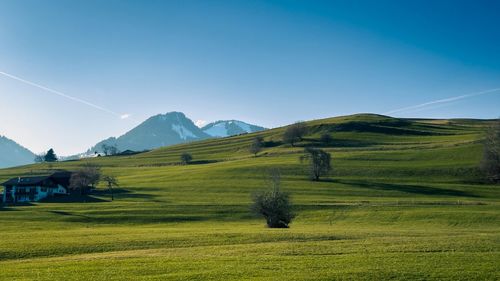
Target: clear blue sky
264	62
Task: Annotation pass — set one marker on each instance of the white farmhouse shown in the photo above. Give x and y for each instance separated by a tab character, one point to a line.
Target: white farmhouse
29	189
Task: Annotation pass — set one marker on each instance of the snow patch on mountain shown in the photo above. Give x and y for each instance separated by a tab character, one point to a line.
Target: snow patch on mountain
183	132
217	130
244	126
225	128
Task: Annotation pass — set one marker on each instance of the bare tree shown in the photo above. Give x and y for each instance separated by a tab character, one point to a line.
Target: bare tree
294	133
319	162
490	163
109	149
78	182
105	149
256	146
186	158
110	181
113	150
273	204
40	158
87	177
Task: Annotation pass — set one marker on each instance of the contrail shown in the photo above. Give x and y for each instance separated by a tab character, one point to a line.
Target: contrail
121	116
441	101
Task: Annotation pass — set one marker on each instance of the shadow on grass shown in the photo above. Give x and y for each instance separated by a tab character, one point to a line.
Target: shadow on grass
6	206
201	162
6	209
157	214
73	199
64	213
414	189
99	196
399	127
336	143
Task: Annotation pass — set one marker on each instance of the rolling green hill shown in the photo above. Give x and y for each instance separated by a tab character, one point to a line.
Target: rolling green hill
405	201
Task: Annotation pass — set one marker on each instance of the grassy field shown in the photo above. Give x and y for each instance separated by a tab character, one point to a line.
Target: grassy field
404	202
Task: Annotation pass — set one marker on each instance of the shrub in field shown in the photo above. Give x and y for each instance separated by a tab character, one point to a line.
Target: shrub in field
273	204
186	158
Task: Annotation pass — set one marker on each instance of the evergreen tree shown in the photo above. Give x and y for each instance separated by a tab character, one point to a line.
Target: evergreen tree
50	156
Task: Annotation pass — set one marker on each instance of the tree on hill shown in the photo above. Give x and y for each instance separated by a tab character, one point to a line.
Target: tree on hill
319	162
490	163
110	181
273	204
50	156
86	178
256	146
294	133
186	158
40	158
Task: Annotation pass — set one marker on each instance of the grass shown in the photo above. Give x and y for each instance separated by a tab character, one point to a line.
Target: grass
404	202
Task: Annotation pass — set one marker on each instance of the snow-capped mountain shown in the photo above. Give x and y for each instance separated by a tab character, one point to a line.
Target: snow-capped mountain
225	128
12	154
169	129
159	130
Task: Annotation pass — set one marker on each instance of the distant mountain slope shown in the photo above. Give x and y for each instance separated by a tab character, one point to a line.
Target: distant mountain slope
225	128
159	130
13	154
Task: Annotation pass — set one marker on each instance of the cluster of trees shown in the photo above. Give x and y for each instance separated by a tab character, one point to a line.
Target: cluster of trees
295	133
273	204
490	163
49	156
87	177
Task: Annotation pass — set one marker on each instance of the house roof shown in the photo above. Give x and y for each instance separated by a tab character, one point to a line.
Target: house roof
26	181
61	178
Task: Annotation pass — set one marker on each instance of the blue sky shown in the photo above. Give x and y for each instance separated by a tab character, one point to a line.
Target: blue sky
265	62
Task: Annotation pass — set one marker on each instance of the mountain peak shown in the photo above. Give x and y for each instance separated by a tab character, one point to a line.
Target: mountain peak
173	128
173	115
13	154
159	130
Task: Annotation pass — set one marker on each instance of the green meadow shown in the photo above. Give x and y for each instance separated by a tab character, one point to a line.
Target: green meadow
405	201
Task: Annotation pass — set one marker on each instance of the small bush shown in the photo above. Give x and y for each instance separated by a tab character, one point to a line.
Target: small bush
186	158
273	204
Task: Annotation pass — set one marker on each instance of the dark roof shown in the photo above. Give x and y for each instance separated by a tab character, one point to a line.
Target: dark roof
61	177
25	181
